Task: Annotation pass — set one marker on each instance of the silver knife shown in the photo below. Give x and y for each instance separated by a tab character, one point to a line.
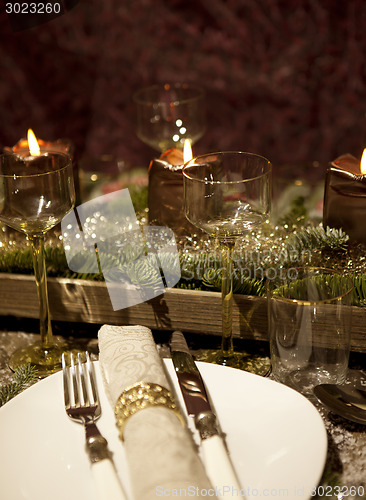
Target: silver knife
217	462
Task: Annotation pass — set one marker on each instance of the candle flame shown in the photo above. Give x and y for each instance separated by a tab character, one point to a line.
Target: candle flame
33	145
187	151
363	162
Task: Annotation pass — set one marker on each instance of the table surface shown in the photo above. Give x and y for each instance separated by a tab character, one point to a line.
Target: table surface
346	460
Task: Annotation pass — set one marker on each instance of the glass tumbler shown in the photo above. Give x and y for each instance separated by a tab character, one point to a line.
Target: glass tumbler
309	319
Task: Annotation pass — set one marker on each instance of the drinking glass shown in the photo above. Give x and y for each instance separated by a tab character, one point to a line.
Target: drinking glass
36	192
170	113
227	194
309	321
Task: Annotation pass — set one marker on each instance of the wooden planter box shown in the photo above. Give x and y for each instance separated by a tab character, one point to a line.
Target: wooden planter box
186	310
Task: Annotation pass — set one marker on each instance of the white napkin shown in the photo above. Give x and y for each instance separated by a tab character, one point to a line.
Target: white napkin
160	451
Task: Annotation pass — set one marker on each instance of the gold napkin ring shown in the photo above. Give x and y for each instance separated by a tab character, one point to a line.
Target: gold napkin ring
143	395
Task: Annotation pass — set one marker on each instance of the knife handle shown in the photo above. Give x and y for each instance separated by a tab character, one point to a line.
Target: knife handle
218	467
106	481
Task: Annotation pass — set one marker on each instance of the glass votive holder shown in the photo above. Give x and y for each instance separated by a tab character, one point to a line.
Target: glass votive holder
309	320
170	113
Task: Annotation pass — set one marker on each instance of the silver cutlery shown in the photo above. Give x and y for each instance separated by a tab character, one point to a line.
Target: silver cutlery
82	406
215	457
344	400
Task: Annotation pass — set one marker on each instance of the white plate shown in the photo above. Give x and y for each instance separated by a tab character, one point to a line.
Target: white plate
276	438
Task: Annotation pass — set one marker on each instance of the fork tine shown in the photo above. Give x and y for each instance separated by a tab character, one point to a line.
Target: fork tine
93	384
83	381
74	375
66	382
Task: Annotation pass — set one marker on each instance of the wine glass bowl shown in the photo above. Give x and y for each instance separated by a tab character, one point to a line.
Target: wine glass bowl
227	194
230	192
36	192
170	113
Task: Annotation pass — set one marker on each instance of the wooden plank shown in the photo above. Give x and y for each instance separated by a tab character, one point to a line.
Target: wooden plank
186	310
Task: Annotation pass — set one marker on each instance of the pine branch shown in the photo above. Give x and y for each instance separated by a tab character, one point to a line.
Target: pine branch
359	292
23	377
324	287
126	260
241	284
142	274
318	238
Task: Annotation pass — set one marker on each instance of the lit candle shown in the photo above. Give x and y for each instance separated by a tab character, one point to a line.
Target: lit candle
165	198
345	196
59	146
23	148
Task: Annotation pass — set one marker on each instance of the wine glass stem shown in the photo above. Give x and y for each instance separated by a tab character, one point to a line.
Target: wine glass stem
39	264
227	299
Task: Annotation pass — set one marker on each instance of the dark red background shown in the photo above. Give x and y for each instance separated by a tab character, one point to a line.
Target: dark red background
286	79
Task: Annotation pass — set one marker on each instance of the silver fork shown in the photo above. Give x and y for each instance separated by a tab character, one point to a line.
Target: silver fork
82	405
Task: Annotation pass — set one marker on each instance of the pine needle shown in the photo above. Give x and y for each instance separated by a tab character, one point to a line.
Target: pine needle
313	238
23	377
199	270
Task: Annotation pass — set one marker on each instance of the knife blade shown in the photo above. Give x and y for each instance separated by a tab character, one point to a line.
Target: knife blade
218	465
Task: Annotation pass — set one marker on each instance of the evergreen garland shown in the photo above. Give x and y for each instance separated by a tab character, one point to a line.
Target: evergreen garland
318	238
23	377
326	287
359	294
199	270
241	284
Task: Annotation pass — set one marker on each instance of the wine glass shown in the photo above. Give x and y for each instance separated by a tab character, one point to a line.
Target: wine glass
170	113
36	192
227	194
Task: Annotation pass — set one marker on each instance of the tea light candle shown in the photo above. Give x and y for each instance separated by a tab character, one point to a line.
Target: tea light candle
23	148
345	196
